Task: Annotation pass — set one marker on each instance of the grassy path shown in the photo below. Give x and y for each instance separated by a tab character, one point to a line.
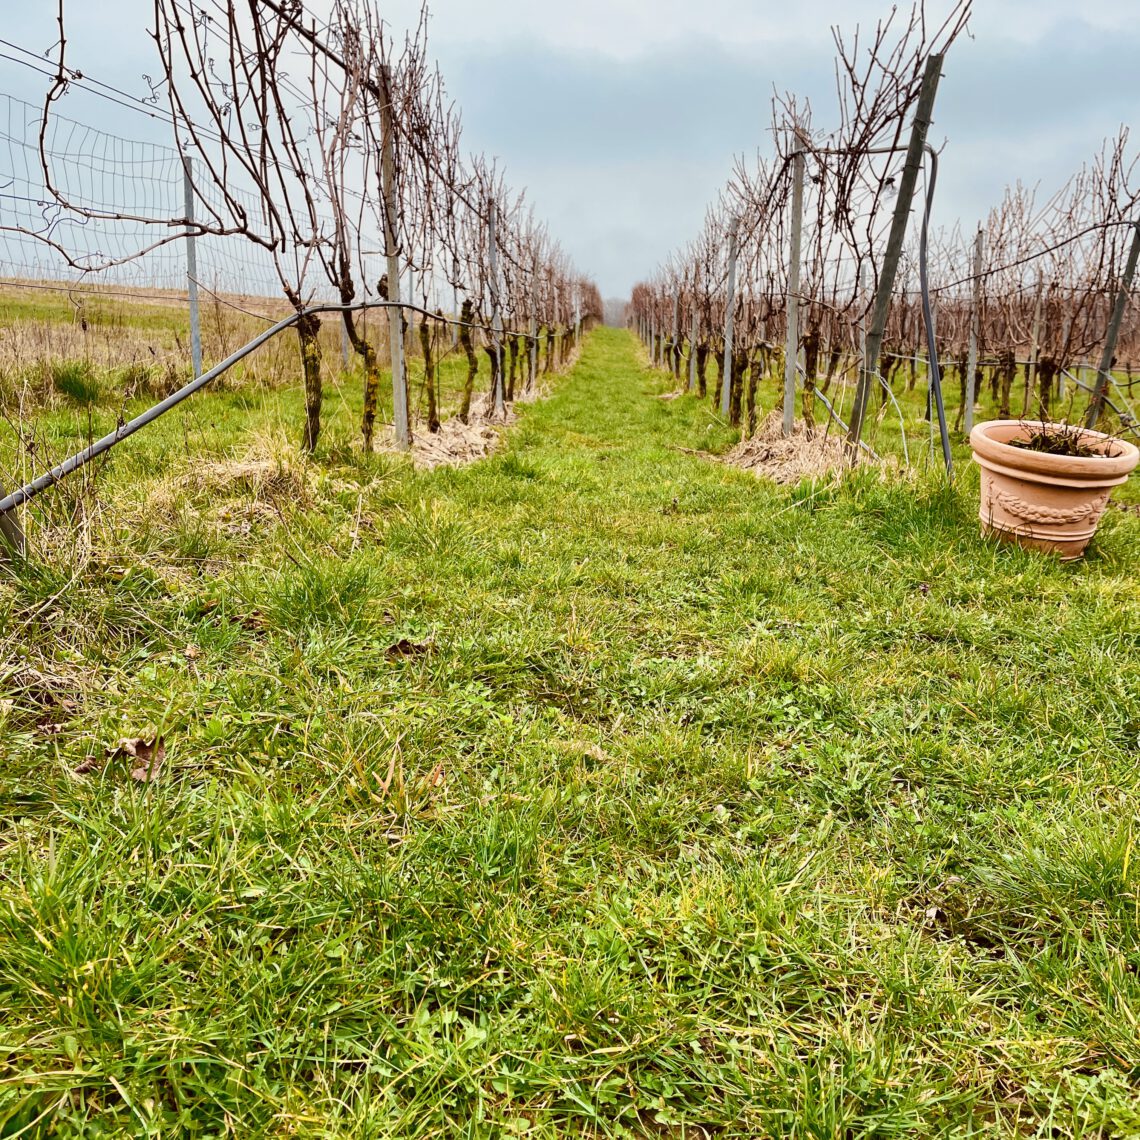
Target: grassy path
593	789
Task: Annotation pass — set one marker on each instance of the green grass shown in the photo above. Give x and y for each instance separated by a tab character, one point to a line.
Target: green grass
64	306
595	789
76	380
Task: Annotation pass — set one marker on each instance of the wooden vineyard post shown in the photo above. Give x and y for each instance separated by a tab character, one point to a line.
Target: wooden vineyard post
975	326
1100	392
400	417
874	343
729	317
12	539
792	344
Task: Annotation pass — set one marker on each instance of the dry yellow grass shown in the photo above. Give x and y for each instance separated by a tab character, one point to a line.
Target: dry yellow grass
787	460
144	333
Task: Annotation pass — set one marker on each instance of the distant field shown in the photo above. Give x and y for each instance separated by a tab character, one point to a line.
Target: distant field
72	360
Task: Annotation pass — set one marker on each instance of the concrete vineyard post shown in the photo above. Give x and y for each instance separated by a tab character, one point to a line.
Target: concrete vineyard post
792	345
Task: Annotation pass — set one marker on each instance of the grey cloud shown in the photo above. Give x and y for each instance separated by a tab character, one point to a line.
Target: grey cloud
622	156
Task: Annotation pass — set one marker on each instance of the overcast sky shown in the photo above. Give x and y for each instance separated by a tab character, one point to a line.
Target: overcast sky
621	117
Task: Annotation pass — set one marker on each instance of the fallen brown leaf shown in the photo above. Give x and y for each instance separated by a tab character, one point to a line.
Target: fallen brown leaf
89	765
149	753
255	621
406	648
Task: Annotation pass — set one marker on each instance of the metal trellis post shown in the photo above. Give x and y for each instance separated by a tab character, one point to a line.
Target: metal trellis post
729	317
874	343
693	350
792	344
675	363
401	418
1105	369
192	267
496	317
975	326
532	378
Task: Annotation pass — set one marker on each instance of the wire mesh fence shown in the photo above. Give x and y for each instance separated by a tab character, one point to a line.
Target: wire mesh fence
128	187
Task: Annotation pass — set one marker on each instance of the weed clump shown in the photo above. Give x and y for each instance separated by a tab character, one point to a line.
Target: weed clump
76	380
1062	439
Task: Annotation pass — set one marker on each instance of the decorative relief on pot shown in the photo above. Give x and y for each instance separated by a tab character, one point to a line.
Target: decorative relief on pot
1038	513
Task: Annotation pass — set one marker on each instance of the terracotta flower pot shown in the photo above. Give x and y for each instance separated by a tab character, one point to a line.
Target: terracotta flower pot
1048	502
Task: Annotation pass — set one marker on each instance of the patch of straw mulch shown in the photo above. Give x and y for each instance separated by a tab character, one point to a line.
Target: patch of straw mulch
457	443
254	475
799	456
